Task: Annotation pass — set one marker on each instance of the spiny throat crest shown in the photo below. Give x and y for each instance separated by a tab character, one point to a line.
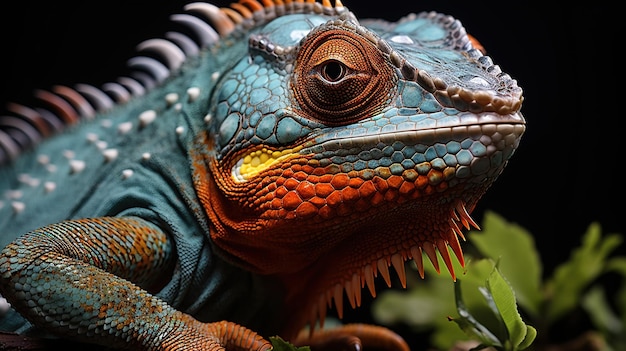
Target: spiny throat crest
459	218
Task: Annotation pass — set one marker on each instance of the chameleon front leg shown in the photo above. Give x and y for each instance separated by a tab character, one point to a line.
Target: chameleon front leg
86	279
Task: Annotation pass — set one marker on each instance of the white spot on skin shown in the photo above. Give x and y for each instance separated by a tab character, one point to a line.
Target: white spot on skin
69	154
146	156
193	93
401	39
101	144
13	194
18	207
110	154
127	173
215	76
51	168
207	118
171	99
180	130
77	166
106	123
49	187
147	117
28	180
92	137
125	127
43	159
4	304
178	106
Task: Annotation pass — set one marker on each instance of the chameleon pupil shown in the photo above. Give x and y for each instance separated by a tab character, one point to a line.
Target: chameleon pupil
333	71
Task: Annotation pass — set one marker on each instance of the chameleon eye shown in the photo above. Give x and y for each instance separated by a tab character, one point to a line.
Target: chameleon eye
333	71
341	77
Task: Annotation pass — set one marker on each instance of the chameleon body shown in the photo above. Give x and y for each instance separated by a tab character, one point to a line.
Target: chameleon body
248	175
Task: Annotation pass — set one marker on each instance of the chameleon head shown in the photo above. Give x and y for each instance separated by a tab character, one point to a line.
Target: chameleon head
341	150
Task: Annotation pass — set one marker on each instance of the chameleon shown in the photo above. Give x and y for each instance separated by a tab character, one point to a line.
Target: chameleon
253	172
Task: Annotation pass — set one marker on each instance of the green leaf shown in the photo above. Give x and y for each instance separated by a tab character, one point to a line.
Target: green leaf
586	263
604	319
469	324
531	334
279	344
509	332
518	257
617	265
504	299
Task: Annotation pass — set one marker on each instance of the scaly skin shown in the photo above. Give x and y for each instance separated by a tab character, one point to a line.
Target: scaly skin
295	153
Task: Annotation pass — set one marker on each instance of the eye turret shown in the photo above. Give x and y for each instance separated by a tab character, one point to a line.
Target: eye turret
341	77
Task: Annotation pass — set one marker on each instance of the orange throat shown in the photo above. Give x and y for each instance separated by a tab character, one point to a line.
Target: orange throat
358	262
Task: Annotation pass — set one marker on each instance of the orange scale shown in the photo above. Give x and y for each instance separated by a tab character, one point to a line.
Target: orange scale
276	203
326	178
280	180
318	172
291	201
395	181
355	182
291	184
367	189
391	194
429	190
287	215
287	173
349	194
317	201
377	199
380	184
281	192
306	209
325	212
442	186
334	199
308	169
306	190
323	189
301	175
421	182
416	194
407	188
313	178
340	181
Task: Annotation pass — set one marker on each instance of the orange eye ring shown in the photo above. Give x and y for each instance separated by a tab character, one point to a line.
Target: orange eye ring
341	77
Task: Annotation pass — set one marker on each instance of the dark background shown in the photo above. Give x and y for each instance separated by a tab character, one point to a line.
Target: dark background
567	172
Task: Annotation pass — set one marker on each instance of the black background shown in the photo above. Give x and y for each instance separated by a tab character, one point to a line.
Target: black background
567	172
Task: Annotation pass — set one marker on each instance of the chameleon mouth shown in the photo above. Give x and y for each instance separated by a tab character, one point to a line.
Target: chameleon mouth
498	128
366	275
